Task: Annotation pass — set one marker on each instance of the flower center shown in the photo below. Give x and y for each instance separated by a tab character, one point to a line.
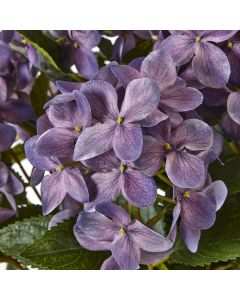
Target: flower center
75	45
78	128
119	120
198	38
23	41
155	37
230	44
167	147
122	230
122	168
58	168
186	194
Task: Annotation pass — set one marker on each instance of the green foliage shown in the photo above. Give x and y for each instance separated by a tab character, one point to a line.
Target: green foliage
142	49
220	243
58	249
39	94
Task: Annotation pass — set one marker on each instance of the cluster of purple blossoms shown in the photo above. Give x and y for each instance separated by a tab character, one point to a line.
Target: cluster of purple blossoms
113	134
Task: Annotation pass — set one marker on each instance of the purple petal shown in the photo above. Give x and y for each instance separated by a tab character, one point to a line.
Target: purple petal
190	236
233	106
136	63
84	109
102	98
230	127
75	184
3	174
211	65
185	169
141	99
125	74
87	38
6	214
148	258
151	157
13	185
153	119
180	47
148	239
36	177
43	124
127	141
217	191
106	74
110	264
190	77
193	134
198	211
38	161
60	99
52	191
86	62
3	90
217	36
116	213
94	141
63	215
8	135
67	86
181	99
159	65
214	97
125	252
5	53
16	111
59	142
138	188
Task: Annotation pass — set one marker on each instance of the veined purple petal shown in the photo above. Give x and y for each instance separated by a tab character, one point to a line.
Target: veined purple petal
3	174
147	258
106	74
52	191
38	161
185	169
230	127
136	63
125	251
214	97
36	176
3	90
153	119
84	109
75	184
86	62
211	65
61	216
8	135
217	36
6	214
138	188
59	142
125	74
115	212
87	38
9	198
60	99
191	236
16	111
13	185
159	65
127	141
198	211
233	106
193	134
181	99
148	239
217	191
110	264
102	98
151	157
141	98
94	141
67	86
190	77
180	47
5	53
43	124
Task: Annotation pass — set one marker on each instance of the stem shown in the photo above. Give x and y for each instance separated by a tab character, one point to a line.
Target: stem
15	157
155	219
164	179
224	267
165	199
137	214
15	263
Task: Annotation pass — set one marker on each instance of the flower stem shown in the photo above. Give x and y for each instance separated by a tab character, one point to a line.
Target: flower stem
15	263
15	157
137	214
165	199
164	179
155	219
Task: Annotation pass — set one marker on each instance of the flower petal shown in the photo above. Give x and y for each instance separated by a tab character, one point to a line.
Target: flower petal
230	127
191	237
3	90
153	119
217	36
6	214
233	106
106	74
110	264
94	141
60	99
36	176
127	141
138	188
217	191
211	65
185	169
43	124
67	86
61	216
84	109
125	74
3	174
16	111
141	99
8	135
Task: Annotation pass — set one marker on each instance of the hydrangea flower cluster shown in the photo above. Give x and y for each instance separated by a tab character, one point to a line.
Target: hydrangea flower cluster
130	124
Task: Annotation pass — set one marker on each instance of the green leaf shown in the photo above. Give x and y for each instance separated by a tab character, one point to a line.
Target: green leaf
51	56
58	249
229	173
220	243
39	94
106	47
142	49
14	237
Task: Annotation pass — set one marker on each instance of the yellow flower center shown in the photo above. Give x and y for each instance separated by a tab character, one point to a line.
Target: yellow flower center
58	168
122	168
23	41
155	37
78	128
122	230
186	194
75	45
198	39
168	147
230	44
119	120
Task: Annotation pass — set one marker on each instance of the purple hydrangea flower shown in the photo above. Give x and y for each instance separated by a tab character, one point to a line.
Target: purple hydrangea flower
209	62
110	228
179	147
113	176
233	106
119	130
198	210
